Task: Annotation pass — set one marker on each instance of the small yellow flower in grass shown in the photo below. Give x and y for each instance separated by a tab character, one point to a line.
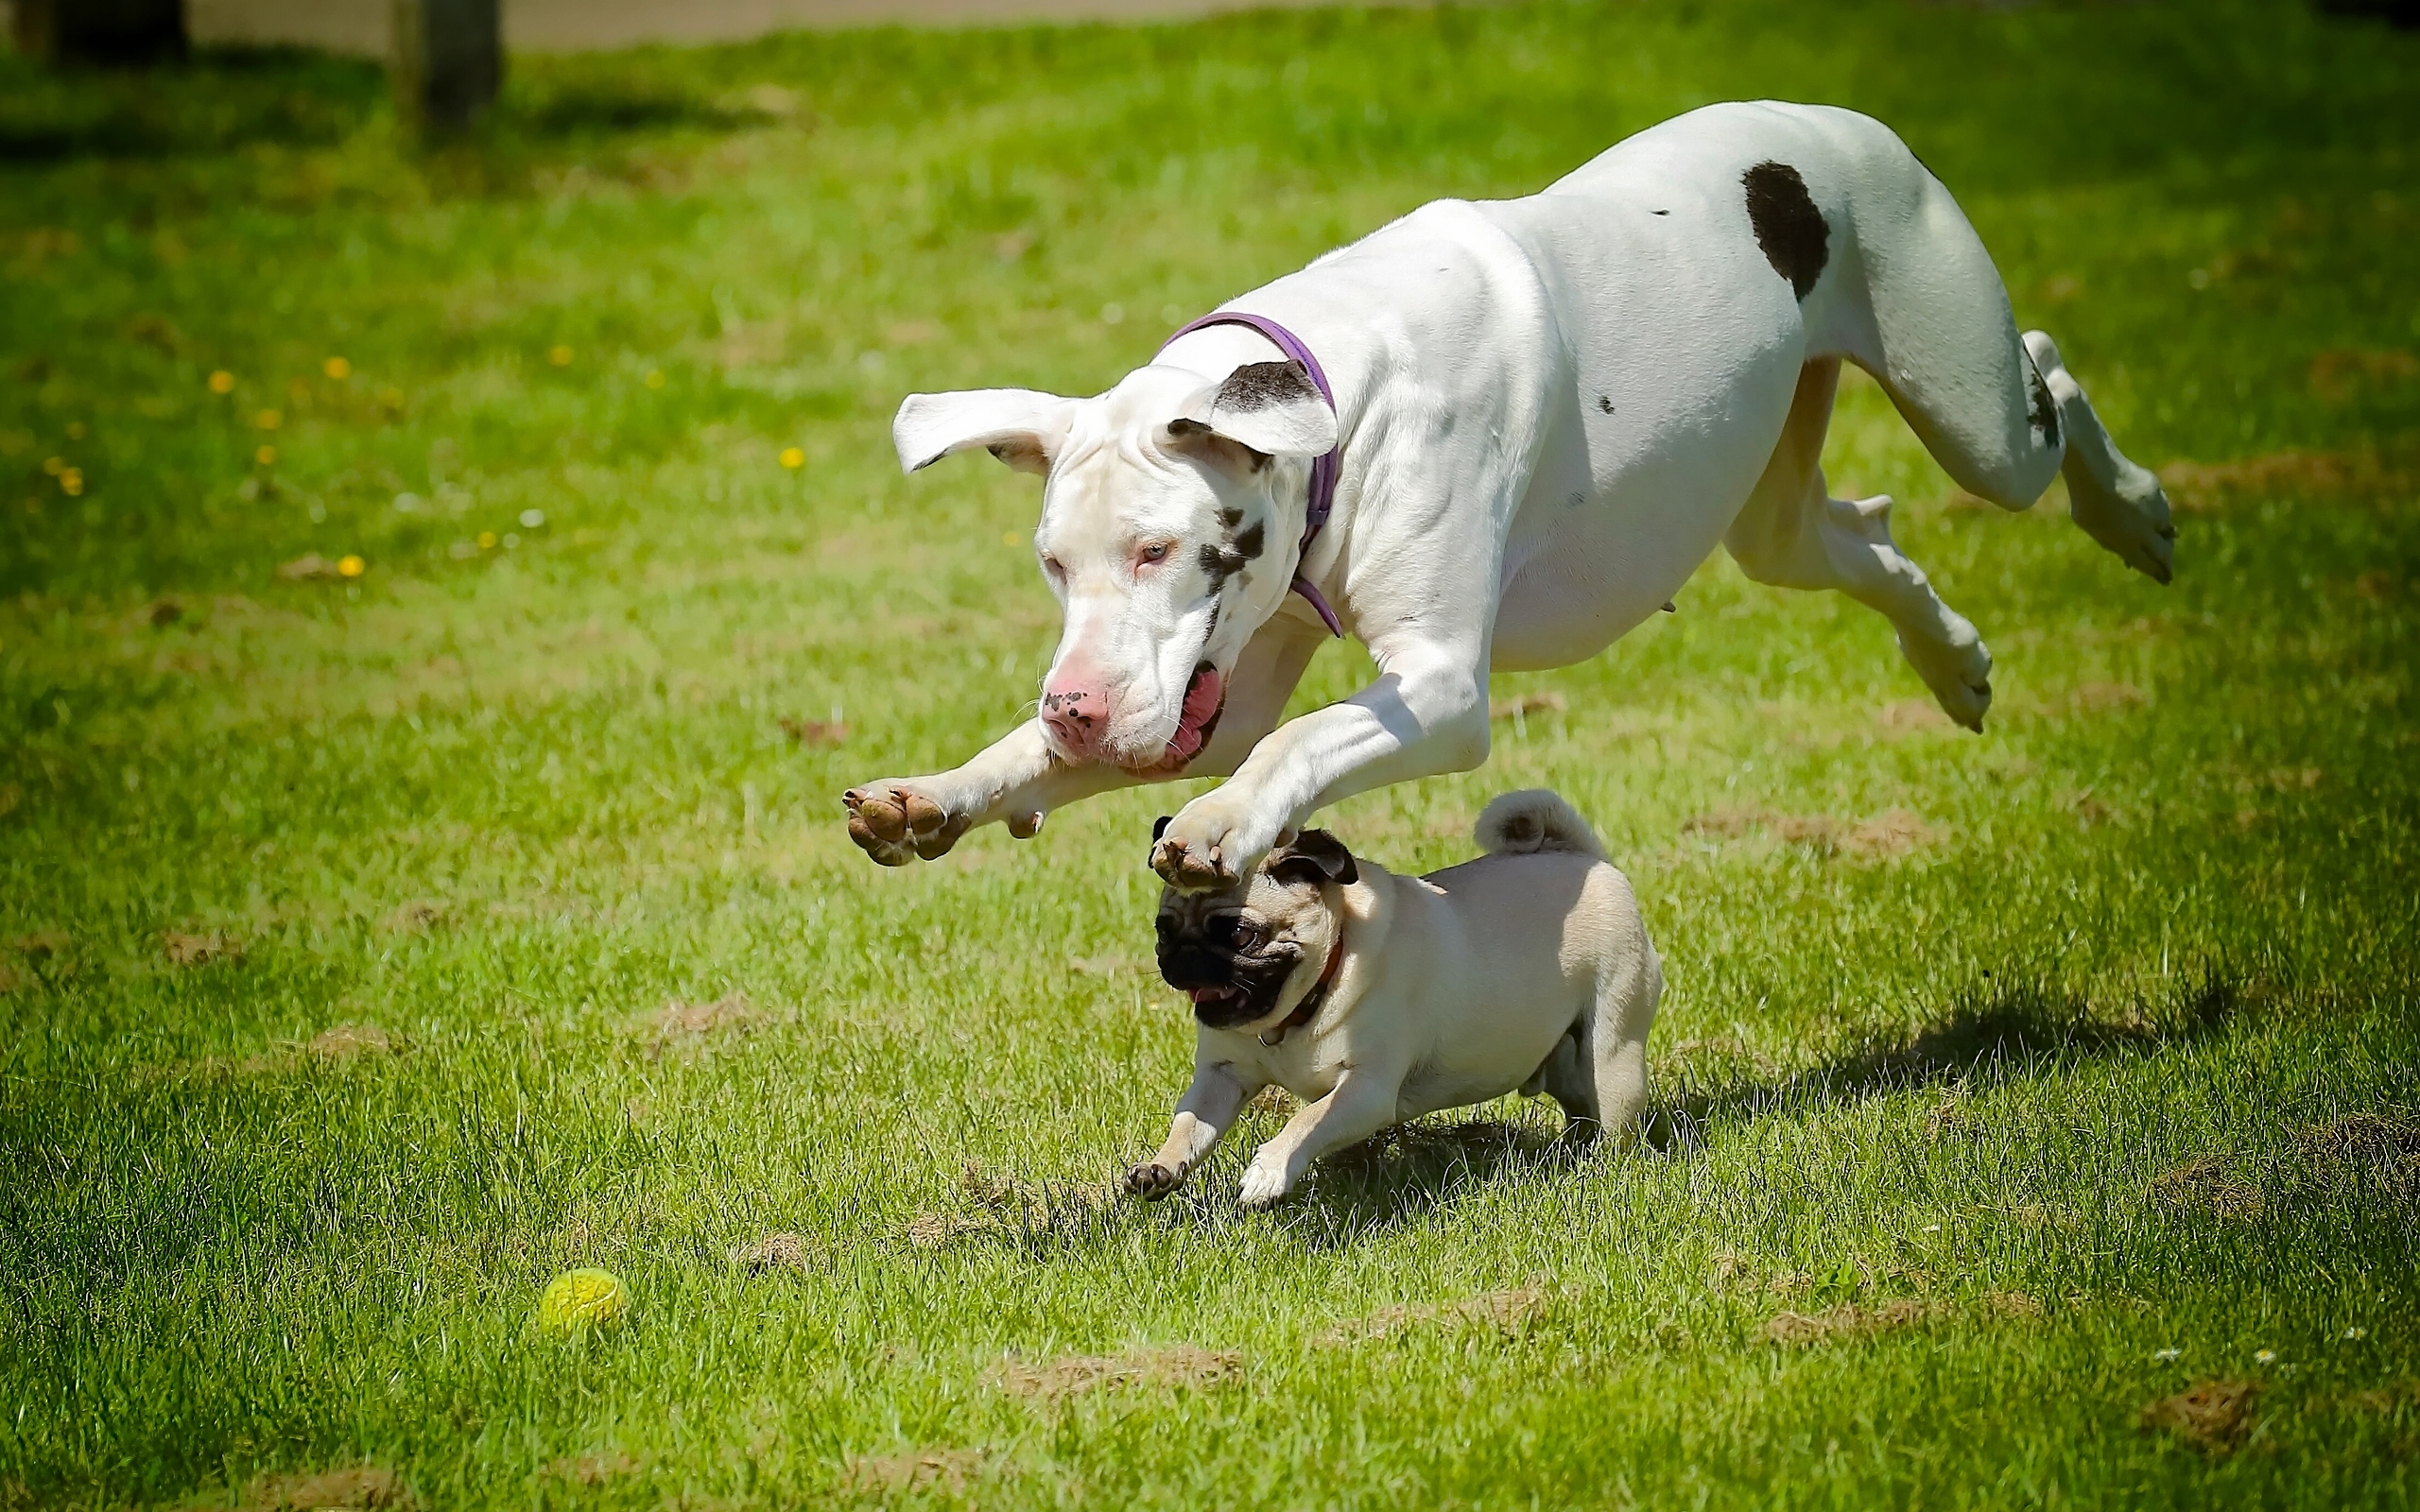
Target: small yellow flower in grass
54	465
338	368
487	541
74	430
222	382
70	481
2265	1356
655	377
583	1298
350	565
1009	538
793	457
266	457
2357	1334
560	357
2169	1356
269	420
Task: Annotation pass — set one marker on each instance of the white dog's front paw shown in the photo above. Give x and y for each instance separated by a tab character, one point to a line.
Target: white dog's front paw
900	820
1208	847
1265	1185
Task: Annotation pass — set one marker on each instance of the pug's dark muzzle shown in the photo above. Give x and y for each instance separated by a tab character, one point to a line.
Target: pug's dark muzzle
1228	988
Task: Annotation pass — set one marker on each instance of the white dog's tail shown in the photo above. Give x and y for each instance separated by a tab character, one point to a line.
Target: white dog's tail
1532	820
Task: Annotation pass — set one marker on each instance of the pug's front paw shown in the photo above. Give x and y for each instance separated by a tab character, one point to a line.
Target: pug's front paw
1265	1185
1152	1181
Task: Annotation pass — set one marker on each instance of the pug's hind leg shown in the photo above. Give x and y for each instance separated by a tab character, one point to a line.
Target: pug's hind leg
1208	1107
1566	1076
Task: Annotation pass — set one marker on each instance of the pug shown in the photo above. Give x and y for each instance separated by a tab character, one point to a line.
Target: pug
1375	998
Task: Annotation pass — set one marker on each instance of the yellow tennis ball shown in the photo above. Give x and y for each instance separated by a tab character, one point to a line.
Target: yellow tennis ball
578	1298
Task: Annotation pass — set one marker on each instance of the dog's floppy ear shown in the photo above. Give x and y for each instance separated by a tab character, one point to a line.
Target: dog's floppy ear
1269	408
1021	428
1159	827
1315	856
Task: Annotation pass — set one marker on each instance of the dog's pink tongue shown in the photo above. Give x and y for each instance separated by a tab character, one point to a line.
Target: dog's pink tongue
1202	698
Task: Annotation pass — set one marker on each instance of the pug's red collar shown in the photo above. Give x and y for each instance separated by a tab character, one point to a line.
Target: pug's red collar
1309	1008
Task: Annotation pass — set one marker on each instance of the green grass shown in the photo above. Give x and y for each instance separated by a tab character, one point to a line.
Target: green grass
2057	1083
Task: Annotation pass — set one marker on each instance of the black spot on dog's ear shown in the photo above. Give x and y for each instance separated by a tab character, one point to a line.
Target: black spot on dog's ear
1230	518
1159	826
1315	856
2045	411
1250	542
1788	228
1257	386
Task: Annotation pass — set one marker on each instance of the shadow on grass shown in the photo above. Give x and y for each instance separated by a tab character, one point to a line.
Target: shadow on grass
2017	1032
219	100
1413	1169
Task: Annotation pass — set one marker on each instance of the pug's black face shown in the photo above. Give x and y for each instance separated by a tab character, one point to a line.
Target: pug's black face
1230	959
1233	951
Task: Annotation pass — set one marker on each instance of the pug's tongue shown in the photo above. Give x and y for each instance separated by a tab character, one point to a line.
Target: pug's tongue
1202	696
1210	994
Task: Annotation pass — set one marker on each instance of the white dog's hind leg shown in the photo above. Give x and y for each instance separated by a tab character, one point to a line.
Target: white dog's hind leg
2117	503
1792	534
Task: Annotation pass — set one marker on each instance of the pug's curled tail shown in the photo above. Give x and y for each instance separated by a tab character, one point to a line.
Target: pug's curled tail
1532	820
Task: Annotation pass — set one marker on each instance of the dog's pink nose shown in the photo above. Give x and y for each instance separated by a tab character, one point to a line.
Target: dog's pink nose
1077	715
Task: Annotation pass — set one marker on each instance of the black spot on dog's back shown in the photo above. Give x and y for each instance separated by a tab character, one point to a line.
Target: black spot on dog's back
1789	228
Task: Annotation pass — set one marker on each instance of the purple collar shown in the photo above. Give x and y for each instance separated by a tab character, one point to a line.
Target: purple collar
1323	469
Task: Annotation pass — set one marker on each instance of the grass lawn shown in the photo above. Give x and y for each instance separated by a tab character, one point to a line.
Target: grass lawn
2036	1115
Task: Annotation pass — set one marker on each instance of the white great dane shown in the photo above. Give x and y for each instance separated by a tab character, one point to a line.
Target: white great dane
1526	421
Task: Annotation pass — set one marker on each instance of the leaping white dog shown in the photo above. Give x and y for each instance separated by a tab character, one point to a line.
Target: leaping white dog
1498	436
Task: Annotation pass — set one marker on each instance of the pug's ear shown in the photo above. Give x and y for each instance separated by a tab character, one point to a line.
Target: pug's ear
1159	827
1316	856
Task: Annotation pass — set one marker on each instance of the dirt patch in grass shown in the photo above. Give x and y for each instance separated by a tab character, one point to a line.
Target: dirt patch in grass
2205	1185
1273	1099
2197	486
2373	1140
1848	1321
783	1251
1508	1312
200	950
2213	1416
593	1470
1167	1364
1525	704
355	1487
1911	716
415	918
1886	836
680	1025
917	1470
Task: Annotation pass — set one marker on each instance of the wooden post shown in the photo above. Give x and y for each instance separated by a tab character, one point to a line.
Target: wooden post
100	32
449	60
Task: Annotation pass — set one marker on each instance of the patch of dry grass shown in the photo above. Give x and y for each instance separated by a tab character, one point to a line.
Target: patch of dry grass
915	1470
2205	1185
1848	1321
2213	1416
782	1251
1164	1366
1508	1312
1886	836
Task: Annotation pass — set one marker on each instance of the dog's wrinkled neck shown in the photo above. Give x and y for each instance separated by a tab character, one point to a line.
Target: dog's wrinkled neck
1309	1008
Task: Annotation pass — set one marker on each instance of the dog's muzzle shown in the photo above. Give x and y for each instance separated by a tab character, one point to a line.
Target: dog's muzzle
1228	988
